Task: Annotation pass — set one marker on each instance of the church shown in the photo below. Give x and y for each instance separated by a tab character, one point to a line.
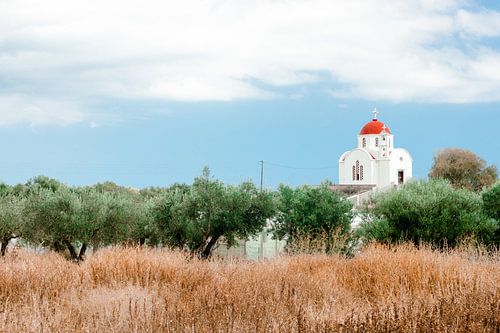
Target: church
375	162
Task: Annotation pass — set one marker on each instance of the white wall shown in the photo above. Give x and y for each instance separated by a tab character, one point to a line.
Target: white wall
401	161
381	171
384	173
349	160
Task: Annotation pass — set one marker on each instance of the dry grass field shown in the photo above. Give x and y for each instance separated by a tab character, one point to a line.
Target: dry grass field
398	289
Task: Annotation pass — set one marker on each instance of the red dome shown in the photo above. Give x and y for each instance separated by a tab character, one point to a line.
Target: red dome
374	127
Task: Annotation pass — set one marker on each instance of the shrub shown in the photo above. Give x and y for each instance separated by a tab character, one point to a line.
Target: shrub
428	211
314	212
491	202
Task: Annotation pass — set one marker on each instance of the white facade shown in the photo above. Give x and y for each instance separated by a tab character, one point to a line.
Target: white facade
375	161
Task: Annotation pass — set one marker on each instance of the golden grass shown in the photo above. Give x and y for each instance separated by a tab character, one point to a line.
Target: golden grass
399	289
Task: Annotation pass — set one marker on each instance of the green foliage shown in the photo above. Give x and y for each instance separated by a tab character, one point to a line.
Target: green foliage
427	211
11	208
53	219
491	200
43	182
114	217
169	223
151	192
127	213
195	217
317	212
111	187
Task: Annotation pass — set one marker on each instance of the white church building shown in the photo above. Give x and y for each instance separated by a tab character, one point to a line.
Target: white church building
375	162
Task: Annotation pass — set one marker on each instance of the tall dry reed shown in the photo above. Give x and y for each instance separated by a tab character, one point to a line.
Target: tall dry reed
399	289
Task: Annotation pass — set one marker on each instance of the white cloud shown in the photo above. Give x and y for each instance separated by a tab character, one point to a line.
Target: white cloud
481	24
17	109
414	50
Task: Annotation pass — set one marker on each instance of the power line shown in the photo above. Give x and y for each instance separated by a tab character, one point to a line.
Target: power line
300	168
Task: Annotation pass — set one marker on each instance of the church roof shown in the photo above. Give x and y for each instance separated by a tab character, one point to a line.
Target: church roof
374	127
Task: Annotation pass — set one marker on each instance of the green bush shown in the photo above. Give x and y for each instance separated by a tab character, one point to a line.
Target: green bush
312	213
430	212
491	202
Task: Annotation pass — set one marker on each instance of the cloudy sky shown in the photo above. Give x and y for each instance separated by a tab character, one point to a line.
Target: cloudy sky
148	92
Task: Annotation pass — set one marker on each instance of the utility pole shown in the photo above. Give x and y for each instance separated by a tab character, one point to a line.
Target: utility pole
261	174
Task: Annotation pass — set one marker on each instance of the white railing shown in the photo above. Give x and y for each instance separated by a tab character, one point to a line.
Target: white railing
358	199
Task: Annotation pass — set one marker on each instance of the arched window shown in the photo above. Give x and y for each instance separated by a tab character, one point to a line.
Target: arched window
357	171
376	142
364	142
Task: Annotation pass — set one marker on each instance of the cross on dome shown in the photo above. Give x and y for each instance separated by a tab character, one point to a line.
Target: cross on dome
374	126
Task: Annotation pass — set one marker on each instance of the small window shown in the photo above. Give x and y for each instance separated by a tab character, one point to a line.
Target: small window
401	177
353	172
376	142
361	172
364	142
357	170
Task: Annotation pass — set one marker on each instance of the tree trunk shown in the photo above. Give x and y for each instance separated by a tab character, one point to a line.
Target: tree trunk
72	251
82	252
142	240
57	246
208	248
3	246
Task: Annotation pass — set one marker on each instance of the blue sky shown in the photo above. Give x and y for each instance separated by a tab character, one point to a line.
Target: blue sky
148	93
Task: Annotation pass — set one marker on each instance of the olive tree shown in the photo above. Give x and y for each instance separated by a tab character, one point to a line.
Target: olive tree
314	211
114	216
11	207
43	182
196	217
53	218
427	211
491	203
169	221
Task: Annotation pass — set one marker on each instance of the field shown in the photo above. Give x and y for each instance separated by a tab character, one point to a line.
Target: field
151	290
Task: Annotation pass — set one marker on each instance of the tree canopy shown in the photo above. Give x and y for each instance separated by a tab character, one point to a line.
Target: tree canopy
197	216
312	211
10	218
464	169
491	200
430	212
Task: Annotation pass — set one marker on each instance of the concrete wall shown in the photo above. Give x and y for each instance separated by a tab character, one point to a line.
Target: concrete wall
259	247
